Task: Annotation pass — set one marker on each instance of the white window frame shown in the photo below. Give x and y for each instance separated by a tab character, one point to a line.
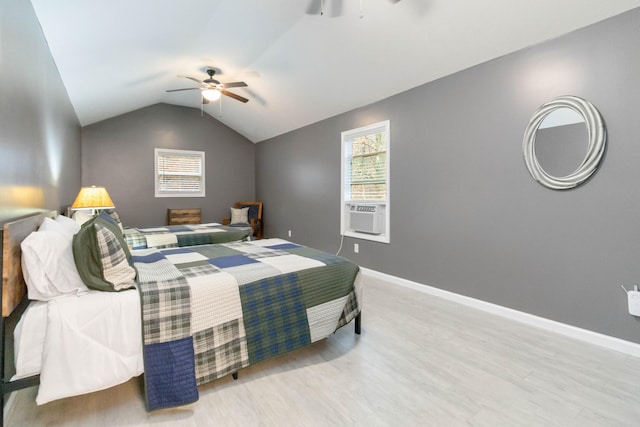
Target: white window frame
345	182
158	152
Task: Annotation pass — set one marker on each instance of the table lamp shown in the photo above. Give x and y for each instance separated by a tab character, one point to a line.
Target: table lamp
93	198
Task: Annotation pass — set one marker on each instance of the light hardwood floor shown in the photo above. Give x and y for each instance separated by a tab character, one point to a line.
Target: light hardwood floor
420	361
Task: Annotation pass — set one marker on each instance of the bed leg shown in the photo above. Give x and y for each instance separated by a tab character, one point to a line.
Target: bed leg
358	323
235	375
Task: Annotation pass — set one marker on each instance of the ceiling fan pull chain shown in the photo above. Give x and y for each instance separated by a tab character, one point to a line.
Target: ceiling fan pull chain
321	7
361	11
220	114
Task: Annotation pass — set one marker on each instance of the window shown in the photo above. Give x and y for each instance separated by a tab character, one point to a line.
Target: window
179	173
365	182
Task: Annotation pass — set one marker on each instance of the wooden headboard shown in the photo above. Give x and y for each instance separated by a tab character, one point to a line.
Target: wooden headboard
13	286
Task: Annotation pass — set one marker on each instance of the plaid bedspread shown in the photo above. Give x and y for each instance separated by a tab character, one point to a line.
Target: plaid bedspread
211	310
183	235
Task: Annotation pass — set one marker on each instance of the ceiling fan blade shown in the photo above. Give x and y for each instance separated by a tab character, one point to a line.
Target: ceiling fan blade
234	96
235	84
178	90
191	78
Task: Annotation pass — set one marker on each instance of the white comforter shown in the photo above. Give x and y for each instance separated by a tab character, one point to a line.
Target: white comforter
80	344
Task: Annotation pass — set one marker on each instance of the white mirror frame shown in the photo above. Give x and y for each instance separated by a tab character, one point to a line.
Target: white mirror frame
595	149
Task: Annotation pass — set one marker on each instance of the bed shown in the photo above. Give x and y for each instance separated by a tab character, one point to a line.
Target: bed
184	235
193	314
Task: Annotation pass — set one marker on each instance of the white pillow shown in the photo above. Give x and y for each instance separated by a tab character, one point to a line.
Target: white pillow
48	265
49	224
239	216
68	224
62	224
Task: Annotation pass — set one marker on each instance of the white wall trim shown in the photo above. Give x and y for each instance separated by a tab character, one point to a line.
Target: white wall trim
606	341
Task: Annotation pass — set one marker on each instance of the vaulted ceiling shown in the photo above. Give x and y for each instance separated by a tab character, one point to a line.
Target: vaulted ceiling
117	56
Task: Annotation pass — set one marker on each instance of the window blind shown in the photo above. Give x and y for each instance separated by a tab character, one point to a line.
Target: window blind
367	170
179	171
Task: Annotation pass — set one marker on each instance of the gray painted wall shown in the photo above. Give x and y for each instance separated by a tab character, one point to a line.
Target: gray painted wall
119	154
39	130
465	214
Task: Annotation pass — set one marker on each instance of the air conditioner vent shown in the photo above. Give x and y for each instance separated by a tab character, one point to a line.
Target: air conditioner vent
366	218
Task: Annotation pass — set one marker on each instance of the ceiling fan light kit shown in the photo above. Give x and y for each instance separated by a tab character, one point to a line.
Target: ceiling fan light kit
211	94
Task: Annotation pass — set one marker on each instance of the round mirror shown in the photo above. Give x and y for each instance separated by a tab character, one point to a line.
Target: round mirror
556	139
561	141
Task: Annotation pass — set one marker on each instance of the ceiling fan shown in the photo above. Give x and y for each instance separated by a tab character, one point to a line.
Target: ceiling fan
317	6
212	89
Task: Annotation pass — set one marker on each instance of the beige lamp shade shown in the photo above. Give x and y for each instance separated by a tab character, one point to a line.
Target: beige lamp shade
93	198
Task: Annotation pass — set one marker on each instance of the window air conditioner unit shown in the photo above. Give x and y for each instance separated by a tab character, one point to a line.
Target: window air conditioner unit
366	218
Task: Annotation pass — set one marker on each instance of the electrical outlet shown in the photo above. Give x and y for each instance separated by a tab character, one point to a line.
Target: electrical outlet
356	248
289	233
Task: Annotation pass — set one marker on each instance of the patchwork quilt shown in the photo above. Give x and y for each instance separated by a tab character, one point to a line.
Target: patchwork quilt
211	310
183	235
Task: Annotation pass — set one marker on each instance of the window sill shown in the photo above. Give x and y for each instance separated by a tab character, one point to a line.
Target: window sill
382	238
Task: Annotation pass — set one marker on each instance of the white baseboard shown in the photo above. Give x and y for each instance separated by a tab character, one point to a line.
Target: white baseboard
601	340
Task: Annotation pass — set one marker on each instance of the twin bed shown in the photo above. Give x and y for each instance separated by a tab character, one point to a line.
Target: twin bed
196	311
184	235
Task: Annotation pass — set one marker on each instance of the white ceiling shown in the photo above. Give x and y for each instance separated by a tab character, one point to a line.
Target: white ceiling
117	56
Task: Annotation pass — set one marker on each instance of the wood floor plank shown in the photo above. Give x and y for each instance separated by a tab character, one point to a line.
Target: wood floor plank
420	360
